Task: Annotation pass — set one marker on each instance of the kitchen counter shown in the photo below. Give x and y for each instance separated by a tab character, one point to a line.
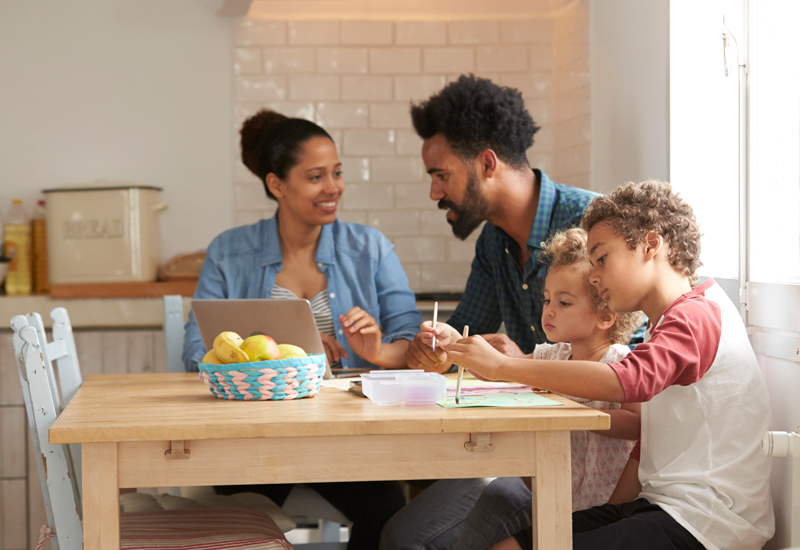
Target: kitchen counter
85	313
90	312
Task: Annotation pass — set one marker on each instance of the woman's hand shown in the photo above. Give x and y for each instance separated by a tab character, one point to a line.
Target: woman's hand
477	355
333	349
363	334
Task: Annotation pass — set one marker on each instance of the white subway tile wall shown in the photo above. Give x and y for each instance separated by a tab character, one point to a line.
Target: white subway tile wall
571	95
357	80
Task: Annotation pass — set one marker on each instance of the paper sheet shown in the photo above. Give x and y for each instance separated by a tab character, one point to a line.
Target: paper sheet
500	400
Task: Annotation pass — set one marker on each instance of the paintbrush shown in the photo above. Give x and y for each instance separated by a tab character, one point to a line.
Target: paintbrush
465	334
435	313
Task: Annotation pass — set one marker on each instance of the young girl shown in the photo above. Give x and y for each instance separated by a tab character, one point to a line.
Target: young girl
583	328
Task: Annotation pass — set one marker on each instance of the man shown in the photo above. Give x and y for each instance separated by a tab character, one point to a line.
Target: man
476	134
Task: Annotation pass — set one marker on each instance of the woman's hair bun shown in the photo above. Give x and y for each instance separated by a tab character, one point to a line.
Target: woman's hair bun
250	134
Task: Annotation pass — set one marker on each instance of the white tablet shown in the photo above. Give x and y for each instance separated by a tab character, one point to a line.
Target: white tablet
285	321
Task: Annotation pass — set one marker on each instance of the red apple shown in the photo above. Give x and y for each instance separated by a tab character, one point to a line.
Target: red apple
260	347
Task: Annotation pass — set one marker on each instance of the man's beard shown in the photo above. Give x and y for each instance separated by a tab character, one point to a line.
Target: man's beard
473	210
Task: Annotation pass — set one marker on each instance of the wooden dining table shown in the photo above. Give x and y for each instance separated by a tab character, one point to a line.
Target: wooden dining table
168	430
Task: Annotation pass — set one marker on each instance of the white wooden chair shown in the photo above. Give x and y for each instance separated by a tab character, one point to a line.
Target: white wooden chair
303	500
199	525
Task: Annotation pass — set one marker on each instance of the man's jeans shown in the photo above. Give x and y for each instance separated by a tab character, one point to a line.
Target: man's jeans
462	514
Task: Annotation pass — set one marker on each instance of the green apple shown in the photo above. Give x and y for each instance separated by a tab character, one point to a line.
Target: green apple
260	347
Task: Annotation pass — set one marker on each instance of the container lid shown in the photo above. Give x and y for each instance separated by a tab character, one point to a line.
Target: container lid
402	377
100	185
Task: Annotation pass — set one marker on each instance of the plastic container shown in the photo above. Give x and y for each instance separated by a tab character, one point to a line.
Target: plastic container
18	247
103	233
412	387
41	282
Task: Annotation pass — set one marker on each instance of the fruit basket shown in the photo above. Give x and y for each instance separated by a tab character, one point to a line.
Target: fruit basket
292	378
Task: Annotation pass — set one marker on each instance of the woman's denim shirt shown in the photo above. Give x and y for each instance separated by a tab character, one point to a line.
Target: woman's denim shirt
359	262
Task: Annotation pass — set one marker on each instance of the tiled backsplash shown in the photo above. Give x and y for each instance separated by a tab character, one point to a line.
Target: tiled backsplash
357	79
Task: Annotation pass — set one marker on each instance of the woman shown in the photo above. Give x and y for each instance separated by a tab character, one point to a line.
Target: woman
349	273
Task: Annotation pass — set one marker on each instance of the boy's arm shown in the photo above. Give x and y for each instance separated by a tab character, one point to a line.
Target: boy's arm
585	379
628	486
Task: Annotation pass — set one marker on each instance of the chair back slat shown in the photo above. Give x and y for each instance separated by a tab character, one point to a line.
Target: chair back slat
35	321
65	356
69	369
173	332
54	458
18	322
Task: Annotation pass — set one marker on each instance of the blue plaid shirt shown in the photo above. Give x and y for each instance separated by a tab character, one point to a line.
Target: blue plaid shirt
500	290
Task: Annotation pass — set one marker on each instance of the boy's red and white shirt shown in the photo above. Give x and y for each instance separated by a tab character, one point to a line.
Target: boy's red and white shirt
705	409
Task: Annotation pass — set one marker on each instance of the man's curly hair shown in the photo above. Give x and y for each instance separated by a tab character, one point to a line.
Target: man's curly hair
567	248
635	209
475	114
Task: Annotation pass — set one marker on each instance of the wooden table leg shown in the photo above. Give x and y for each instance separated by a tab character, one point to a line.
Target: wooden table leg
552	498
100	496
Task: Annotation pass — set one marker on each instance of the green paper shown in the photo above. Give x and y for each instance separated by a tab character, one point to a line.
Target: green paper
502	400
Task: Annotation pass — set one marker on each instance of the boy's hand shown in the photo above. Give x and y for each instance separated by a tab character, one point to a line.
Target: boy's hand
476	354
362	333
445	334
503	344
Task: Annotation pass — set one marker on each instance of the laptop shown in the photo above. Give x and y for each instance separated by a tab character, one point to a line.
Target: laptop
285	321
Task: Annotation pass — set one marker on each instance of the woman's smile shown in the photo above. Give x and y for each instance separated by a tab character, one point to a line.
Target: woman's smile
327	206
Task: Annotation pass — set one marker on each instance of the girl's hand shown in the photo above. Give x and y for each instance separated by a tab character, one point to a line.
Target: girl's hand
362	333
477	355
445	334
333	349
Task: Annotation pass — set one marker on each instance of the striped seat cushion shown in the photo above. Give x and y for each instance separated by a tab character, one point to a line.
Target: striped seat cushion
201	530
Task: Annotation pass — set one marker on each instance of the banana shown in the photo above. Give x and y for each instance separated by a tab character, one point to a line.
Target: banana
211	358
288	351
226	347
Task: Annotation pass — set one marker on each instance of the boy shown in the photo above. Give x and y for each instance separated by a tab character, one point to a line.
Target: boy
705	481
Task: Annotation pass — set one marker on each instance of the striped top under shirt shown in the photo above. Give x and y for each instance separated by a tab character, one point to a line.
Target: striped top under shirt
320	309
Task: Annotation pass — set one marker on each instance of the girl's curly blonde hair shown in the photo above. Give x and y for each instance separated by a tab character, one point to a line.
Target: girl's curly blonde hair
567	248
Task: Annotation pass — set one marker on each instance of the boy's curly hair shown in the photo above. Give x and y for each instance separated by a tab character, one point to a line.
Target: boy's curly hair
635	209
567	248
475	114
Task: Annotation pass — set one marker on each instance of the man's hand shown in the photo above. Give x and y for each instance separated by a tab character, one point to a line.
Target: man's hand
333	349
503	344
421	356
475	353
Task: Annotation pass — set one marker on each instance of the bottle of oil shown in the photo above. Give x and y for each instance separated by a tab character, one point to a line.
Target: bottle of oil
41	283
18	245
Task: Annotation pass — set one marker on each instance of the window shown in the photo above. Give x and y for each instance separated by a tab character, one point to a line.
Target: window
704	145
774	142
704	127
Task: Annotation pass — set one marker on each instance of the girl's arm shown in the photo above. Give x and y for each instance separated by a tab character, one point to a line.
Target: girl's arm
628	486
585	379
625	422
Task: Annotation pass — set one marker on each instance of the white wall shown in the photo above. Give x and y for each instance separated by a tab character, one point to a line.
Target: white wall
629	48
136	91
783	383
